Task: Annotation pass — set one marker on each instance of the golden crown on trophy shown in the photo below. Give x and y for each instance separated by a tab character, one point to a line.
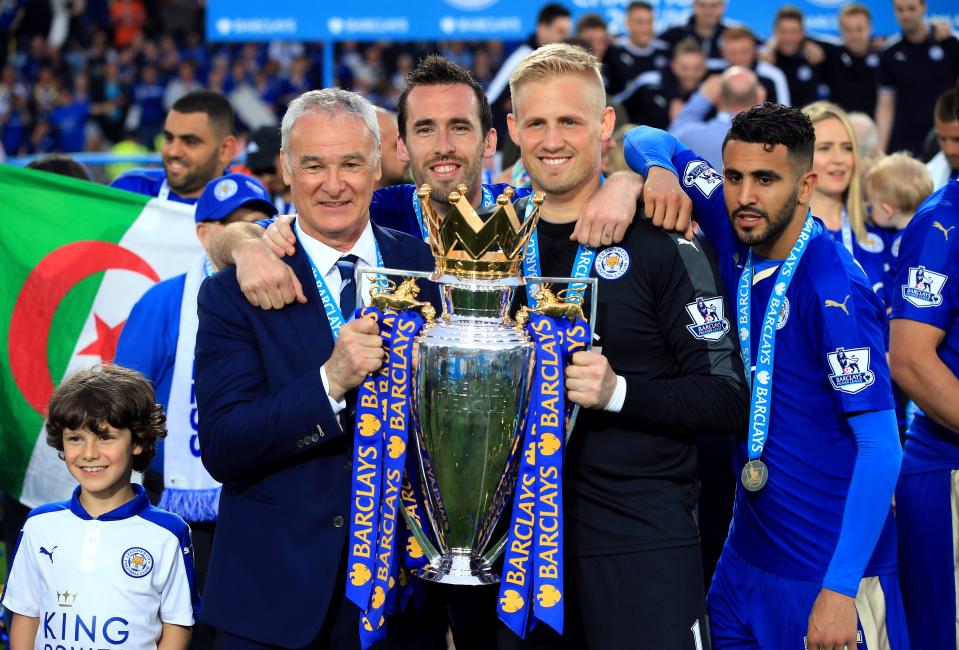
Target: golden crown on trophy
466	246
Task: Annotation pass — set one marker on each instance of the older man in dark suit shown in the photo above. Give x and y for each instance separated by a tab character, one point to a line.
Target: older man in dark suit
272	387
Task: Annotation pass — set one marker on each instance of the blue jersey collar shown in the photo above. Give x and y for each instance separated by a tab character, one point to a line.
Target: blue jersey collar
132	508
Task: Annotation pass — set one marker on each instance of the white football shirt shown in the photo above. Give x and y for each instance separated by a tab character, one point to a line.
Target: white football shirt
105	583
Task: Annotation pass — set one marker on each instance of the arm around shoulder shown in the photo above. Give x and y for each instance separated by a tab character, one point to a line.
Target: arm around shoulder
708	393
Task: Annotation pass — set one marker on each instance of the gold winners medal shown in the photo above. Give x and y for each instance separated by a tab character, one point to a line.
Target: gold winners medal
754	475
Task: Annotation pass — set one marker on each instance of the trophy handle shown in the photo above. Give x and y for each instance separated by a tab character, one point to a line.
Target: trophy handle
494	553
428	549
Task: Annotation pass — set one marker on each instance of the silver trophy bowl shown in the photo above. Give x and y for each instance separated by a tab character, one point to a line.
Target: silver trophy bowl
470	394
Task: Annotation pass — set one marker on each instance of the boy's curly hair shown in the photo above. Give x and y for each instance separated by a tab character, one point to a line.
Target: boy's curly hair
107	395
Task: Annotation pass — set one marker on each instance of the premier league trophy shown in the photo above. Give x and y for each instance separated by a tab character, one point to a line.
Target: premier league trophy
445	446
471	387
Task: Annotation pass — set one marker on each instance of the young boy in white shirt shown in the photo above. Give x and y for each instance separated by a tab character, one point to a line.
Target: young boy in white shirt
105	569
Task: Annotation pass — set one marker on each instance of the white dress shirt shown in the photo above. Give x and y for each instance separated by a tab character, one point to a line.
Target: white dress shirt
325	258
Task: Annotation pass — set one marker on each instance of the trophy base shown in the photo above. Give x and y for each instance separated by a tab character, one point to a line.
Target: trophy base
459	567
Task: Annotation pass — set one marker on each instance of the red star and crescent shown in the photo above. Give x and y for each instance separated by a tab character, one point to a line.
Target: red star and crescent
44	288
105	345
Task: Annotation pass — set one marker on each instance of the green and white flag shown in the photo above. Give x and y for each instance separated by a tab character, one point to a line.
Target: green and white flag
76	256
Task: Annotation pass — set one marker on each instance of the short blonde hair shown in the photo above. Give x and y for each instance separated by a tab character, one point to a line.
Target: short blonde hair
899	180
852	197
557	60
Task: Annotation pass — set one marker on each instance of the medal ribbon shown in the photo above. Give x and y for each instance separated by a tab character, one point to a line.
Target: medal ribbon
582	265
847	240
396	401
533	563
418	210
330	304
761	382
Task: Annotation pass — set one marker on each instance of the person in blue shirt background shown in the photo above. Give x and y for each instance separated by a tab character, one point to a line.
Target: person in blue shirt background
158	340
811	558
198	145
924	358
837	199
148	101
69	119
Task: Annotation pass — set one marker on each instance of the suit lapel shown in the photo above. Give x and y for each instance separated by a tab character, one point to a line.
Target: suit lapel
310	321
399	255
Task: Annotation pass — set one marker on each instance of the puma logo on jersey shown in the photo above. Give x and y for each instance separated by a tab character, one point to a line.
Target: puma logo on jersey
49	553
685	242
840	305
945	231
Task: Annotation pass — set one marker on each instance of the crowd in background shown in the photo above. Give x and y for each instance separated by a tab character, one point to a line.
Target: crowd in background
94	75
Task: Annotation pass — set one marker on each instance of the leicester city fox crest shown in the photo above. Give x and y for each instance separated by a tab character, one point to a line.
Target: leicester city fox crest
709	323
850	370
924	288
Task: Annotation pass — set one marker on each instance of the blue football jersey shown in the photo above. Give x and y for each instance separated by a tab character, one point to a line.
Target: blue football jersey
927	291
149	182
830	362
392	206
871	254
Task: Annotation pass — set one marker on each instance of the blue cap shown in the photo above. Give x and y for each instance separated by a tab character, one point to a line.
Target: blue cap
225	194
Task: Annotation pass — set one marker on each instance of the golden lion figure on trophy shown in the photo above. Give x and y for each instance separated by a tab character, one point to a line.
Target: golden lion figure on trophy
551	304
389	296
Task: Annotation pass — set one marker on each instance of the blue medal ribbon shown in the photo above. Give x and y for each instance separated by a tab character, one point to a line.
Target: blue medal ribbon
397	420
761	382
582	265
208	267
418	210
330	305
847	240
531	589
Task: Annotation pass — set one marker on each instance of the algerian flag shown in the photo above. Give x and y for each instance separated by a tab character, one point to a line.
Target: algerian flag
74	258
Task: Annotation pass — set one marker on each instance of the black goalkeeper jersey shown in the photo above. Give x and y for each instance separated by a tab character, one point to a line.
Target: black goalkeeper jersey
663	324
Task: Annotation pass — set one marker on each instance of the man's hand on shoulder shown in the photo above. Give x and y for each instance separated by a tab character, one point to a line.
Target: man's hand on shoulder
832	622
608	213
357	353
590	381
266	280
279	236
667	206
941	29
813	51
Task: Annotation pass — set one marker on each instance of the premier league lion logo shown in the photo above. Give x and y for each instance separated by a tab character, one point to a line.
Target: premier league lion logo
709	324
700	175
850	370
924	288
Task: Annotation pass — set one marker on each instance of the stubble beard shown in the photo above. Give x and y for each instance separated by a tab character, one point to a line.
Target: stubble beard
775	226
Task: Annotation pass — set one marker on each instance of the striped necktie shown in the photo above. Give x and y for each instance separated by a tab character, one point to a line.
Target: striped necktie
347	268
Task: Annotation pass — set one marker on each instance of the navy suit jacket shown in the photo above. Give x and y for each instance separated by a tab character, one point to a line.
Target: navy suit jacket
268	433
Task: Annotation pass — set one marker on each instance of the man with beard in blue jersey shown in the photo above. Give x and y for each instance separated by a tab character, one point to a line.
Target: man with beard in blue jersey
924	359
198	145
445	133
811	558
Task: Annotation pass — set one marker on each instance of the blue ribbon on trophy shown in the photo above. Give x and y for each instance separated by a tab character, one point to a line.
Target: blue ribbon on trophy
365	484
397	419
533	563
489	419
